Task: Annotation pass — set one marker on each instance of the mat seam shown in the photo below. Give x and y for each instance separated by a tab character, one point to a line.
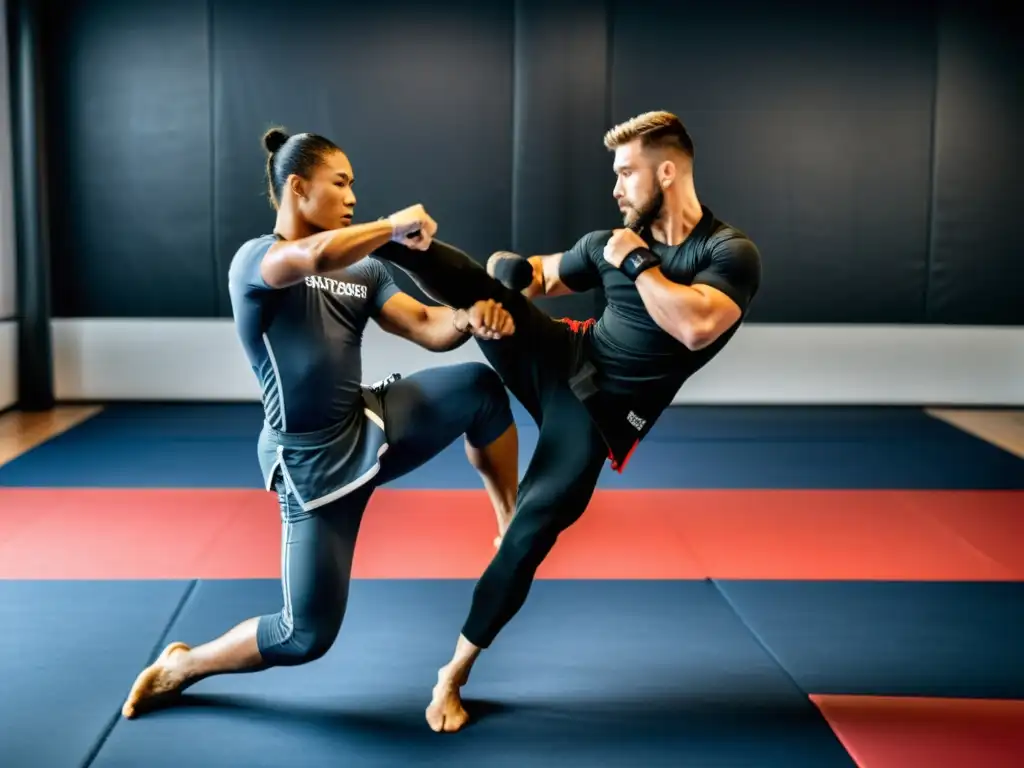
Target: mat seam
854	761
154	652
764	646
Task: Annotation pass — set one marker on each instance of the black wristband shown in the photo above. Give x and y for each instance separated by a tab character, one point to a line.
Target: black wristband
637	261
513	271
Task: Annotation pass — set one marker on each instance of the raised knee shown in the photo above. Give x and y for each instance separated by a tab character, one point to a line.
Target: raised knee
313	644
283	644
486	381
493	409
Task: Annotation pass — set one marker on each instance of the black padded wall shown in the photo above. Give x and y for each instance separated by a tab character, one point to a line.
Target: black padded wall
129	121
562	173
868	147
812	134
976	267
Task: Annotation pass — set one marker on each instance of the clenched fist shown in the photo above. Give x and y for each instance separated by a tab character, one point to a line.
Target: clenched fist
620	245
488	320
413	227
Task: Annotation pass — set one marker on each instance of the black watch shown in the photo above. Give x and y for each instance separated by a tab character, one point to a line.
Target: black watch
637	261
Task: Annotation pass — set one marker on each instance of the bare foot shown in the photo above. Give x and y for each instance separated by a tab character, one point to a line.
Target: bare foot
157	683
445	712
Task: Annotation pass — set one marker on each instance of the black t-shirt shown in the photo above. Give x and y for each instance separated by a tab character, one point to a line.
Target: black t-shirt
633	355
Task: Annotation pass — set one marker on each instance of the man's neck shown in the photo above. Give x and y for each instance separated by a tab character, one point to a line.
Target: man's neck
677	220
291	227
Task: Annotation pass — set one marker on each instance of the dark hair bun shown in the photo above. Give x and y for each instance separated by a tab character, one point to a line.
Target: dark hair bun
274	139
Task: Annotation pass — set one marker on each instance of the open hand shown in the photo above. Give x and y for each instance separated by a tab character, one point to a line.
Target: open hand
489	320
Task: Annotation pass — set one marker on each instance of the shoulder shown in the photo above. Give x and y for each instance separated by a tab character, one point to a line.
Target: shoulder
730	242
254	246
596	239
732	257
244	269
724	241
592	244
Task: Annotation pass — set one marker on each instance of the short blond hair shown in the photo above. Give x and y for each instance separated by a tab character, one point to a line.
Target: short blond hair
654	129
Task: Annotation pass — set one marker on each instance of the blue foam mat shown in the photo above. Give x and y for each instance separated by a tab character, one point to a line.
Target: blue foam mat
213	446
69	652
143	445
590	673
956	639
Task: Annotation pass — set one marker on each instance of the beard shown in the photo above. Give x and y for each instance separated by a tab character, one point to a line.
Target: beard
643	216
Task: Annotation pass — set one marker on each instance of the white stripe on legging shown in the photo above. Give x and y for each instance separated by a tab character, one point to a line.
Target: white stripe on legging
286	539
277	381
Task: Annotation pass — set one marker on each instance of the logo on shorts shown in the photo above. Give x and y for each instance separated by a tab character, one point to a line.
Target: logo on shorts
336	287
635	421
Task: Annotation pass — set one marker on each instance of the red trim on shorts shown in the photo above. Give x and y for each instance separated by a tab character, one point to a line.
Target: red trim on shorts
620	468
577	326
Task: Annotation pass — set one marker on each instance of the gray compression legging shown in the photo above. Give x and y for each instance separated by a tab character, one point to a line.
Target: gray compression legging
424	413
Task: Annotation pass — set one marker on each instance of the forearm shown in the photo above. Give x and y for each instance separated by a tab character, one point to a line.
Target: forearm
339	248
546	281
442	329
678	309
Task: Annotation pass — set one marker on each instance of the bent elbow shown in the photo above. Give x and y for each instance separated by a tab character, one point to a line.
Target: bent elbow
695	343
696	337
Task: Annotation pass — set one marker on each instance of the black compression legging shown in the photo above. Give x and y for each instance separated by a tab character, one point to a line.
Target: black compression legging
560	479
449	275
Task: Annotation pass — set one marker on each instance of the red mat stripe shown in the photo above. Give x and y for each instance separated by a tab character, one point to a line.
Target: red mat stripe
883	535
175	533
894	732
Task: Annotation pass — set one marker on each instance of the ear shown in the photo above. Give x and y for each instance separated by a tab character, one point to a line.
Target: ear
666	173
297	185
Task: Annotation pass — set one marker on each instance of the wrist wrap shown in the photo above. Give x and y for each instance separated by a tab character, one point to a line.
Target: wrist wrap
638	261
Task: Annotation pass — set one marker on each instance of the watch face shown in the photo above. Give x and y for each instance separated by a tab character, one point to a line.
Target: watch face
638	260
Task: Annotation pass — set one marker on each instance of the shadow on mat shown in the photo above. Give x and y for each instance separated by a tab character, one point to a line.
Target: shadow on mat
392	718
635	712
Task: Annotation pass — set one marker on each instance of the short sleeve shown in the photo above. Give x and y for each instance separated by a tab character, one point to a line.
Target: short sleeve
244	275
735	270
383	286
578	269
